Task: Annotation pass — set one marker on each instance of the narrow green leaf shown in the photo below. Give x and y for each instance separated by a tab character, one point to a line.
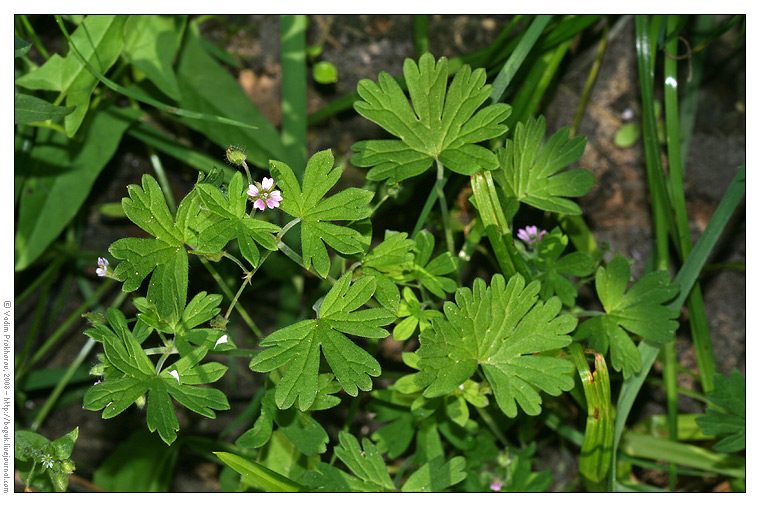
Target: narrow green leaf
258	475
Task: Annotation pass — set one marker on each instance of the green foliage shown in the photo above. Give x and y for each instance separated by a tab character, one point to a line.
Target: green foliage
28	109
42	464
728	421
317	213
100	40
640	311
55	177
232	222
129	374
412	315
298	346
443	123
502	328
371	474
529	168
258	475
552	270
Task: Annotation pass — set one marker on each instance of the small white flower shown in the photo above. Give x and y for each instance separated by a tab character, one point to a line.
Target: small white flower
221	340
175	374
47	461
102	267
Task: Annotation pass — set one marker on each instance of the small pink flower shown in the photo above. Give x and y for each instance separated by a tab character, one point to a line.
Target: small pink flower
264	196
530	234
496	484
102	267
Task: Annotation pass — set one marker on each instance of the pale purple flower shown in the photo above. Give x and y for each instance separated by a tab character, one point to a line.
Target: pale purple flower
530	234
102	267
496	484
264	195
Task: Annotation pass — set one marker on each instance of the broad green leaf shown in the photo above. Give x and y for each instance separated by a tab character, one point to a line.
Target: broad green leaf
298	346
552	269
729	420
150	43
640	311
502	328
205	86
530	169
99	39
317	213
27	109
441	123
20	46
57	178
232	222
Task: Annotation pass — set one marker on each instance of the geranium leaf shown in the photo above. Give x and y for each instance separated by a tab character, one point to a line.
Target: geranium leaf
640	311
318	213
298	346
440	124
530	169
729	419
502	328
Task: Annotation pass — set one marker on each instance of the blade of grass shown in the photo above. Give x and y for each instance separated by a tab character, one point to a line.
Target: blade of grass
590	80
420	34
516	59
700	331
690	96
293	61
141	97
686	277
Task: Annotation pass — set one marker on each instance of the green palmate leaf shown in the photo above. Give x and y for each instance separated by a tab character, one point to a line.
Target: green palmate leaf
552	269
729	422
150	43
640	311
430	272
298	346
231	222
441	124
100	40
412	315
530	169
318	213
129	374
164	254
501	328
27	109
57	176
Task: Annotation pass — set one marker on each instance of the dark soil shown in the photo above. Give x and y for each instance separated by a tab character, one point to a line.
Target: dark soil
617	208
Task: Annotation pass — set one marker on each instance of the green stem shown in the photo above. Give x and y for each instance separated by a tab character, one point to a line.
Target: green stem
46	275
235	299
590	80
420	34
33	36
227	292
439	182
158	167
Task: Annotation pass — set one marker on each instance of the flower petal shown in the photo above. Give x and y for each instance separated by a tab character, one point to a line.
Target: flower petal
259	204
267	183
253	191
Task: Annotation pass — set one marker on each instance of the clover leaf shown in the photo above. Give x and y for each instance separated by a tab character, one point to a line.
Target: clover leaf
131	374
639	311
441	123
298	345
233	222
729	420
371	475
318	213
529	172
502	328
